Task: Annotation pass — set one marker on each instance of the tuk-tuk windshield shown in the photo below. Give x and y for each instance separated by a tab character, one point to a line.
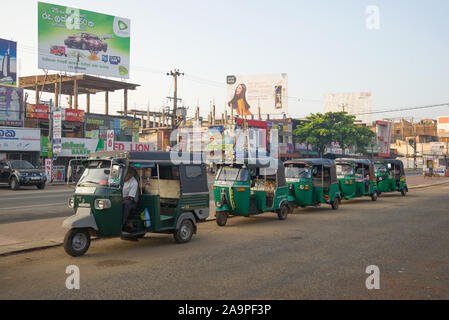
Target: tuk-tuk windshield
380	168
98	172
344	170
232	174
297	173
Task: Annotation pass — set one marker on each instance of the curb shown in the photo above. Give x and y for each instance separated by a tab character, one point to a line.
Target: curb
428	185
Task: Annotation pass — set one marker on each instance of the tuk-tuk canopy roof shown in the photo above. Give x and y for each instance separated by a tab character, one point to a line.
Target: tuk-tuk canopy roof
349	160
154	157
394	162
313	162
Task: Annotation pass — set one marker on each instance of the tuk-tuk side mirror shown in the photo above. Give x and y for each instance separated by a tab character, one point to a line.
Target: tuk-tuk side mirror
107	171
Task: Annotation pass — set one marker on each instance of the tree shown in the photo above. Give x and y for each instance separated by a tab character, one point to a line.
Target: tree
333	127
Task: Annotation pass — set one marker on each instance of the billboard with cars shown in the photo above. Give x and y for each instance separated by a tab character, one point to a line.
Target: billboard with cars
82	41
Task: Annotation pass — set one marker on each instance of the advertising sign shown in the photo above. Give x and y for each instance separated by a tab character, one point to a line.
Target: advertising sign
356	103
49	169
57	131
73	115
77	147
42	112
134	146
437	147
443	125
246	93
20	139
8	63
11	106
82	41
110	141
383	129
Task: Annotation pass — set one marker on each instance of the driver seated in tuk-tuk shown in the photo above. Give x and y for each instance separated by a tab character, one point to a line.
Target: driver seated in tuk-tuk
130	197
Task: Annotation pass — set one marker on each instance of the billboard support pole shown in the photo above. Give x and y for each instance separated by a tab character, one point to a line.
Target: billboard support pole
106	102
75	93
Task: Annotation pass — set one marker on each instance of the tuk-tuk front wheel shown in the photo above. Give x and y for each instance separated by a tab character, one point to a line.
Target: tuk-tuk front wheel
185	232
374	196
221	218
283	213
334	204
403	192
77	242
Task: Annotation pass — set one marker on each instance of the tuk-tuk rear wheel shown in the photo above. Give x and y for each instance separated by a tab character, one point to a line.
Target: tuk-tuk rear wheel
283	213
221	218
185	232
334	204
77	242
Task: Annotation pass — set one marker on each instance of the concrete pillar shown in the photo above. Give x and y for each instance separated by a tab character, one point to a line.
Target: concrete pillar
106	102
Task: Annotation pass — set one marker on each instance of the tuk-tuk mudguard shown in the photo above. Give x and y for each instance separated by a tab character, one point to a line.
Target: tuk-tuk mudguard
78	221
186	216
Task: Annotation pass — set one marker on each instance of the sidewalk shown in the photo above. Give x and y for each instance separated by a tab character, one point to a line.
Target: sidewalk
40	234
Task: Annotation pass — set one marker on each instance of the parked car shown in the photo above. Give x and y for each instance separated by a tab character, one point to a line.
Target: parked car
58	51
86	41
16	173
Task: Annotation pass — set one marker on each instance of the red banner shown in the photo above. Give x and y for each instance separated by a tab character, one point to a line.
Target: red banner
41	112
74	115
37	111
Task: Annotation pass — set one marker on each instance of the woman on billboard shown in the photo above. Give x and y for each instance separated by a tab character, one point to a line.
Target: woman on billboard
239	101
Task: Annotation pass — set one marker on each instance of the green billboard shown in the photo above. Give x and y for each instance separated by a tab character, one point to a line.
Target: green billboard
81	41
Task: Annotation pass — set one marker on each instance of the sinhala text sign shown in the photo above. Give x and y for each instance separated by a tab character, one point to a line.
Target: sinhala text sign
82	41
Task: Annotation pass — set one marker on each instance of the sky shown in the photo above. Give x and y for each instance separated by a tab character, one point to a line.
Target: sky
324	46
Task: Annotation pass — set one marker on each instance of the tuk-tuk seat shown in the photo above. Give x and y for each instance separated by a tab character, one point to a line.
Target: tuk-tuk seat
169	189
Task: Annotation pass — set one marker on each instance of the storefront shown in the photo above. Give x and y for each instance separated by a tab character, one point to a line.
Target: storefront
20	144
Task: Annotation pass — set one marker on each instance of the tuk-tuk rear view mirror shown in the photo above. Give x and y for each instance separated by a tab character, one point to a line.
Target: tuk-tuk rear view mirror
107	171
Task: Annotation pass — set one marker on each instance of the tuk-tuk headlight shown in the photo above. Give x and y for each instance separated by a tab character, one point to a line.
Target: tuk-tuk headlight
71	202
301	187
101	204
219	204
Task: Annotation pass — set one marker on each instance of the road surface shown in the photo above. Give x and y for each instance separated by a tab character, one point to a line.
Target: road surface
317	253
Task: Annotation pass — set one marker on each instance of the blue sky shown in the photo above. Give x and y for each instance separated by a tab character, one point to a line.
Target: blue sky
323	45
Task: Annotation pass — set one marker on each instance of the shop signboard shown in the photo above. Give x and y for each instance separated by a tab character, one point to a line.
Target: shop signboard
77	147
110	141
246	93
437	147
134	146
49	169
443	125
37	111
20	139
8	63
11	106
57	131
81	41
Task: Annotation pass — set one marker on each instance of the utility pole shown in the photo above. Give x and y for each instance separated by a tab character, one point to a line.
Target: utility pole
175	74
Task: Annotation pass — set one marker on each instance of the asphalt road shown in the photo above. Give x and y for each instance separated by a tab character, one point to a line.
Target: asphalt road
29	203
317	253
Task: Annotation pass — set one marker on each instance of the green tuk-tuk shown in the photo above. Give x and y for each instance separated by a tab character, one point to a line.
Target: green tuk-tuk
172	198
250	188
390	176
356	178
312	182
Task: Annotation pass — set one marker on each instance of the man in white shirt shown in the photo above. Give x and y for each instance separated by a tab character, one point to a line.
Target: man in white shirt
130	195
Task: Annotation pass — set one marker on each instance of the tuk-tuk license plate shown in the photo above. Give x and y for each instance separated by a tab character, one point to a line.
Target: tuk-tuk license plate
35	178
